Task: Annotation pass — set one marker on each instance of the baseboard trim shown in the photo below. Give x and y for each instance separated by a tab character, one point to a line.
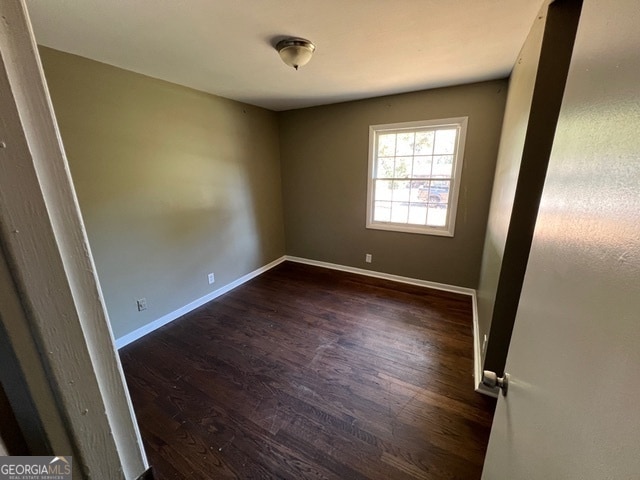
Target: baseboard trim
385	276
477	349
170	317
477	356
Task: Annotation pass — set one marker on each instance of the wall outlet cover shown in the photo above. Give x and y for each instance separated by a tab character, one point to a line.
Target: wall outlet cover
211	278
142	304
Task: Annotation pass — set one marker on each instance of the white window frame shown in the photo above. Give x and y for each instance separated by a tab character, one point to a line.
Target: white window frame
447	230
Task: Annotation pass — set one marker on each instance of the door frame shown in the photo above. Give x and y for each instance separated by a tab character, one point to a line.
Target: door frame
52	309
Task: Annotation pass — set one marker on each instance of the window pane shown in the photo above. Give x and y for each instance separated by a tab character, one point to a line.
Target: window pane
421	167
445	141
423	193
382	212
403	167
386	145
439	192
382	190
416	191
436	216
399	212
385	167
413	169
443	166
401	191
418	214
424	143
404	144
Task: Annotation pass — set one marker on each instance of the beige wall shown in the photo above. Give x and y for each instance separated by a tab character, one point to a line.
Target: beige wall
572	411
172	183
324	173
514	129
533	106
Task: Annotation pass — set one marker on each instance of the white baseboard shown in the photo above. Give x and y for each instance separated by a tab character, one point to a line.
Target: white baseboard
385	276
477	349
169	317
477	356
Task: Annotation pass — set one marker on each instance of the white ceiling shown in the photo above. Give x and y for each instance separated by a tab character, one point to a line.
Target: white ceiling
365	48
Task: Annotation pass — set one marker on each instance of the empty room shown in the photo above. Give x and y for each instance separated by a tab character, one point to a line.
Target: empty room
320	240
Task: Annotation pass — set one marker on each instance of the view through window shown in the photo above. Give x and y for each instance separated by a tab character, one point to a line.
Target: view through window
414	175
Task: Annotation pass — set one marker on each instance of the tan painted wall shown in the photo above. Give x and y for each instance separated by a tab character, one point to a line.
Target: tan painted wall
533	106
572	410
514	129
324	173
172	183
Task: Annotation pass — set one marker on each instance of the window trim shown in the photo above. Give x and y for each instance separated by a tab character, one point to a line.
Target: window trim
452	206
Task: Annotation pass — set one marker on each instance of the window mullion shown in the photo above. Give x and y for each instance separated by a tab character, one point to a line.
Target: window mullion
391	204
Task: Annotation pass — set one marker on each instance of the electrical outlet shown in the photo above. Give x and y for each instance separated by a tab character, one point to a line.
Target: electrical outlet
368	258
142	304
211	278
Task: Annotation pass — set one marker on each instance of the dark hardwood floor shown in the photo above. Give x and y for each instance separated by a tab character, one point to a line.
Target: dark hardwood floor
308	373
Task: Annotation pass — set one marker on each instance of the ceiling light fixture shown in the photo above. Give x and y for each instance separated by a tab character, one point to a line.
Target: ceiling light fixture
295	52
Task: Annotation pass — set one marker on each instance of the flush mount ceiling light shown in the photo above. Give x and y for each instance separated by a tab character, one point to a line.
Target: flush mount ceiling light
295	52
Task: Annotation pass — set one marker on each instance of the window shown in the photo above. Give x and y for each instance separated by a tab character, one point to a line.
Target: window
414	175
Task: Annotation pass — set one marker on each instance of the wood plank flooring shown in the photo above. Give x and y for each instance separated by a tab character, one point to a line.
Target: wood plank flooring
309	373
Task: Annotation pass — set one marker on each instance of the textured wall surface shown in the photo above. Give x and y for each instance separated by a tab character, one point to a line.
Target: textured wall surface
572	410
533	106
514	129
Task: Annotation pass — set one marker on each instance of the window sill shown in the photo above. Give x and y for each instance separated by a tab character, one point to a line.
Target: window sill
404	228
